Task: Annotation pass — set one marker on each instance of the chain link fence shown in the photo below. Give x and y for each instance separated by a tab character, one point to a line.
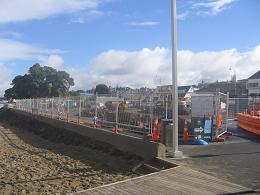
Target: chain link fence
132	113
242	105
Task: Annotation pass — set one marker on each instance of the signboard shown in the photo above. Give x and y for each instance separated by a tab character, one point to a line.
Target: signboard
202	105
207	129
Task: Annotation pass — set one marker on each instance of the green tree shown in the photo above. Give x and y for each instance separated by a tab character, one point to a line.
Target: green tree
102	89
40	82
76	93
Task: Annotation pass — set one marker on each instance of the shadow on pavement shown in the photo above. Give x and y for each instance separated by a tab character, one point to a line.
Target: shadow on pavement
244	192
214	155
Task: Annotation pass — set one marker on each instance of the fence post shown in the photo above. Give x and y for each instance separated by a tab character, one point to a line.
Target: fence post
151	117
79	110
117	106
95	117
30	108
37	105
217	110
40	106
68	109
52	108
46	107
227	110
166	107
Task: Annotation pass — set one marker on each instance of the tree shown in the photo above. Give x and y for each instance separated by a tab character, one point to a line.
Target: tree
102	89
40	82
76	93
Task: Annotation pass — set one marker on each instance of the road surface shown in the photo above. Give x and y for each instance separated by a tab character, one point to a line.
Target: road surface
236	160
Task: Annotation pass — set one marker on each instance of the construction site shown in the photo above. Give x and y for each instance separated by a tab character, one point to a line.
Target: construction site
93	114
123	136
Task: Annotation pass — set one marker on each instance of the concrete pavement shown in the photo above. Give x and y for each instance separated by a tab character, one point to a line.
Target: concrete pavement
236	160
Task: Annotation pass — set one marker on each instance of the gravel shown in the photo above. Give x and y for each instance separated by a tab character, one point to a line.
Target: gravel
30	164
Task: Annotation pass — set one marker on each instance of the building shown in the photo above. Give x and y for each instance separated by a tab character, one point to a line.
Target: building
184	92
235	88
253	85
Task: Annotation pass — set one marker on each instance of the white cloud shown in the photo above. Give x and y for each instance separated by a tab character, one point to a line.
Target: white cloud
149	67
146	23
85	17
15	50
213	7
54	61
10	50
17	10
183	15
5	79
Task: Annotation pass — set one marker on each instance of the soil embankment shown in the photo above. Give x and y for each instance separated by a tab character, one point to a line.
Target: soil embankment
36	159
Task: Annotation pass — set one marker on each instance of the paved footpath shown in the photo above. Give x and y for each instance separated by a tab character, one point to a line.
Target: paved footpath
179	180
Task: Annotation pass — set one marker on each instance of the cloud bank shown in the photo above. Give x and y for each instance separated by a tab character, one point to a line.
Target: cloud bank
4	79
54	61
145	67
17	10
11	50
152	67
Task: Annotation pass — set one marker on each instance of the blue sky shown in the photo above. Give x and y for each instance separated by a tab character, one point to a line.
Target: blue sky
128	42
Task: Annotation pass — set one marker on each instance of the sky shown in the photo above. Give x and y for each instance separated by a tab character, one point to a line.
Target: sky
128	42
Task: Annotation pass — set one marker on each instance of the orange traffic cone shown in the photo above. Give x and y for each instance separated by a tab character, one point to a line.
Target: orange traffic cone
117	130
185	131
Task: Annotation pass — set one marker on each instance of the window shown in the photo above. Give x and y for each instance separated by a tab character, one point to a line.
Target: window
252	85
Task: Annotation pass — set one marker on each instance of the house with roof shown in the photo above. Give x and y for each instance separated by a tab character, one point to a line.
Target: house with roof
184	92
234	88
253	85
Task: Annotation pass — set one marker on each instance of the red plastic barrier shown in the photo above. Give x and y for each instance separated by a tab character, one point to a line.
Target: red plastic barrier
249	123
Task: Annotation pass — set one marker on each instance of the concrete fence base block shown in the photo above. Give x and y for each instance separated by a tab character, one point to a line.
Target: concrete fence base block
125	143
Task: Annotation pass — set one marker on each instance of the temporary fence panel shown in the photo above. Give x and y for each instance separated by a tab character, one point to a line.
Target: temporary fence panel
222	105
133	113
87	109
237	105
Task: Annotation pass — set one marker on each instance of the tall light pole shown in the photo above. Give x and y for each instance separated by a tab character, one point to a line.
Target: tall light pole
176	152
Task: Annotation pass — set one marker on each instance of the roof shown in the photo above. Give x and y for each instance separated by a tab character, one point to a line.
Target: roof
234	89
255	76
186	88
179	87
182	90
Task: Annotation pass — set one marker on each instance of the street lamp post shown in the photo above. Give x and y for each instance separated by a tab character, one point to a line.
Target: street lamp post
176	152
